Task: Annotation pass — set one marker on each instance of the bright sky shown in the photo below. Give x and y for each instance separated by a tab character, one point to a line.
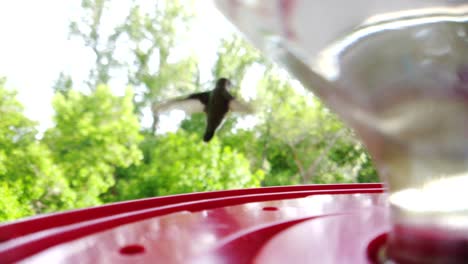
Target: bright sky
35	48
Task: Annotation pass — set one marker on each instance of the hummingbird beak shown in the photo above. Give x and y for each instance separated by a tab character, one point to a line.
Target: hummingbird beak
224	83
228	86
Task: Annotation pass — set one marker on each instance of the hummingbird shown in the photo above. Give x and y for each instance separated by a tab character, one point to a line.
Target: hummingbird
215	104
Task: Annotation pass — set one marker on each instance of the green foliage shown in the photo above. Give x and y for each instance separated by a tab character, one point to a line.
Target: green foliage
93	135
280	160
98	152
10	205
235	56
303	140
181	163
29	182
89	30
63	84
195	123
153	35
367	171
246	142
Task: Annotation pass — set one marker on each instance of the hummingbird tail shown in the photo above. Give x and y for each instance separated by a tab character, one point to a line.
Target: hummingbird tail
208	136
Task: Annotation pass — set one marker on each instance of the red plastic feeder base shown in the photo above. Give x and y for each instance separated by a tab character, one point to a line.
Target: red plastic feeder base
340	223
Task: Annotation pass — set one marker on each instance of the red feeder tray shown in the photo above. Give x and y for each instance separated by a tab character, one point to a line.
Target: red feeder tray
340	223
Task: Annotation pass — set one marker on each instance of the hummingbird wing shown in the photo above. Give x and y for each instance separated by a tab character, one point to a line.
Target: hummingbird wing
203	97
240	107
194	103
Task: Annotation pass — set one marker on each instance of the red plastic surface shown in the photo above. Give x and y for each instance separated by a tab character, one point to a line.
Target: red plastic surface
418	244
236	226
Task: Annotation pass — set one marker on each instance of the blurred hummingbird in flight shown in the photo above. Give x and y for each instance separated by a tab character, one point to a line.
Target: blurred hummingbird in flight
215	104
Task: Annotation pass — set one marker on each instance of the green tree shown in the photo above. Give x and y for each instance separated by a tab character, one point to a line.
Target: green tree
303	142
89	29
154	34
235	57
181	163
63	84
296	139
93	136
29	182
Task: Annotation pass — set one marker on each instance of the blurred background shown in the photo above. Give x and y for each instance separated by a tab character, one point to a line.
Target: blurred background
77	82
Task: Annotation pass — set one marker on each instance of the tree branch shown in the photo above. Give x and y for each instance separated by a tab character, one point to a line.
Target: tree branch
318	160
298	162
